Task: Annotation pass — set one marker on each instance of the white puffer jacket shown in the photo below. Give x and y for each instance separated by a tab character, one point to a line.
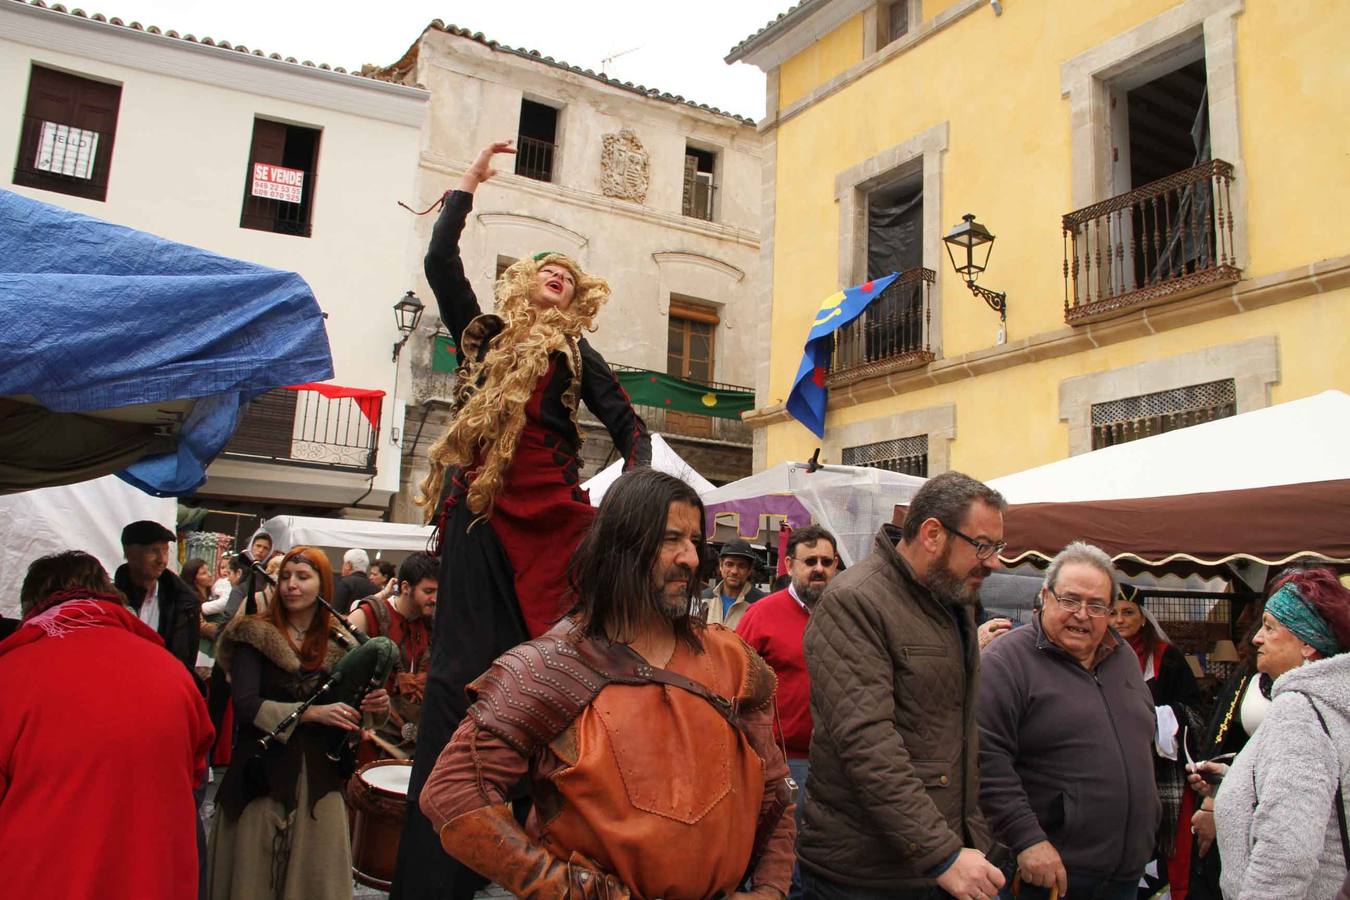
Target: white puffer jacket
1275	812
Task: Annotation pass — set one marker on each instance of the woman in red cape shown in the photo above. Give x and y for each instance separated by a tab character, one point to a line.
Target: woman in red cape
103	736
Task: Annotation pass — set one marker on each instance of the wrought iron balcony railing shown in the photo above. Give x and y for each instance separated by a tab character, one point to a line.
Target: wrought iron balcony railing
890	336
534	158
1162	241
302	428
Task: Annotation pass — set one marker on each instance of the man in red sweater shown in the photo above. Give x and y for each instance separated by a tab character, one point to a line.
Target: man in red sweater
775	627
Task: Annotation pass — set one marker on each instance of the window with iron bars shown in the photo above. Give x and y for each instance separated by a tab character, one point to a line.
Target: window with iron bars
1120	421
908	455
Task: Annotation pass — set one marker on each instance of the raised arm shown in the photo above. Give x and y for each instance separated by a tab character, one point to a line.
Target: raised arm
443	266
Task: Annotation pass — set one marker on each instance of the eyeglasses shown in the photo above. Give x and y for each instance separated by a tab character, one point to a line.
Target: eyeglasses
825	562
983	549
1072	605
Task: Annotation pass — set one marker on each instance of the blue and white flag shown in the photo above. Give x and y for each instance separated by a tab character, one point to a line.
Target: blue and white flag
806	401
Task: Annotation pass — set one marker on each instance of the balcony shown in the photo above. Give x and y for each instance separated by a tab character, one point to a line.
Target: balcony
1169	239
303	428
534	158
890	336
668	405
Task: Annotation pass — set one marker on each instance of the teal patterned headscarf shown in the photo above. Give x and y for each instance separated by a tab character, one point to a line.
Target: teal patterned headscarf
1302	619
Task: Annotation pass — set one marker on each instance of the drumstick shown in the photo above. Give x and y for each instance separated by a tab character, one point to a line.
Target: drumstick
386	746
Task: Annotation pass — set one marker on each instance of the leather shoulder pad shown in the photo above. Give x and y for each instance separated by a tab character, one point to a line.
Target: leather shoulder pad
533	691
760	680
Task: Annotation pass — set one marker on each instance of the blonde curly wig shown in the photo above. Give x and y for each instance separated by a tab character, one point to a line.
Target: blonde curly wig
491	393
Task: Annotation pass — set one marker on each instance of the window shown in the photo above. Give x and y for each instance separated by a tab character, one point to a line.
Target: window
699	170
280	180
1120	421
908	455
66	138
689	351
893	330
1165	91
897	20
537	143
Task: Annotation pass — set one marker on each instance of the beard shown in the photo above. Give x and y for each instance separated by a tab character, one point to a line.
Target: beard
809	591
673	608
949	587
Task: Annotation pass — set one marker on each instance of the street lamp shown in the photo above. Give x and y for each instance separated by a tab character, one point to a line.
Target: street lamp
969	245
407	313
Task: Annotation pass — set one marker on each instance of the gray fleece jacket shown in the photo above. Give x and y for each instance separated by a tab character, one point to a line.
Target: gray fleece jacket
1275	811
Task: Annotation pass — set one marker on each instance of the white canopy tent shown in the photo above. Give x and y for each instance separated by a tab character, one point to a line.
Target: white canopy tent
664	459
1267	486
1298	442
88	516
382	540
852	502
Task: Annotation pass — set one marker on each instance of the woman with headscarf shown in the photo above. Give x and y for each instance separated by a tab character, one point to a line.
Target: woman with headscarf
280	828
1280	808
504	484
1177	701
1239	708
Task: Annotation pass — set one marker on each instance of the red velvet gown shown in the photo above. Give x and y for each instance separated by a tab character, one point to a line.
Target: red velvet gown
503	578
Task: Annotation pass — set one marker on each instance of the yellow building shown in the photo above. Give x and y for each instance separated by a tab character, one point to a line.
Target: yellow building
1167	182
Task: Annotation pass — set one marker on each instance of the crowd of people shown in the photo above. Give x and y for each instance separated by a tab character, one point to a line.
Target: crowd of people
581	717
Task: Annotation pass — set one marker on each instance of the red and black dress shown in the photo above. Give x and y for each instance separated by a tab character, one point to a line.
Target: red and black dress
503	578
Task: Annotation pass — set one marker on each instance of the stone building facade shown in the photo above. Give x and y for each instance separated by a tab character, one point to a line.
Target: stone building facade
659	195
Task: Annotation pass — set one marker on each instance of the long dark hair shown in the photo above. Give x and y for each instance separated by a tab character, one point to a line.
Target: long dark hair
611	571
189	575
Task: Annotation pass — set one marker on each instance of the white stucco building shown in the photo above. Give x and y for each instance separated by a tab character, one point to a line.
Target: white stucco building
657	194
174	126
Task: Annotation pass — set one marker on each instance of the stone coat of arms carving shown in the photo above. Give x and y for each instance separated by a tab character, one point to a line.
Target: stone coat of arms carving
624	167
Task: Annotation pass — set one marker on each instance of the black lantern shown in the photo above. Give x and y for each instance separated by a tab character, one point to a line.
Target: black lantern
407	313
969	245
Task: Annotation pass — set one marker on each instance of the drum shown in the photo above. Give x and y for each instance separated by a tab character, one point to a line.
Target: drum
377	796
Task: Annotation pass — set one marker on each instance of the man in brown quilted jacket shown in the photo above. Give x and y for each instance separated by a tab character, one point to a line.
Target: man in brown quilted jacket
892	810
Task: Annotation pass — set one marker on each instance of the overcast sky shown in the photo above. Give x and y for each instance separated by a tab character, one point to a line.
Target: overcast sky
677	47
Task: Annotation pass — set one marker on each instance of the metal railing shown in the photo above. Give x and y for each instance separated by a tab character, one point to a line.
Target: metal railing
1165	239
892	334
279	216
304	428
699	204
58	157
665	421
534	158
668	421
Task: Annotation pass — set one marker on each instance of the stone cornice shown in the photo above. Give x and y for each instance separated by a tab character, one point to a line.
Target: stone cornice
453	169
925	30
1249	294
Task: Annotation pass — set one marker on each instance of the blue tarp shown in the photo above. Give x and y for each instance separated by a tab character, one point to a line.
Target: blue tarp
95	316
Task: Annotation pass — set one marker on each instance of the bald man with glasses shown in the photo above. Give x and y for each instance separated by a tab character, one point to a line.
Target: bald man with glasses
1066	741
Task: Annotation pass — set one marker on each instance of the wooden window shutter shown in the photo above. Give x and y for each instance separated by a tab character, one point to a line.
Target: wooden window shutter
690	183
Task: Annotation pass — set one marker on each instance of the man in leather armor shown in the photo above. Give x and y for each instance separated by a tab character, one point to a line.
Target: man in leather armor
645	736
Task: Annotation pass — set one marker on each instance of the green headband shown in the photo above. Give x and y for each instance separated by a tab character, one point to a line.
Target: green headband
545	254
1299	616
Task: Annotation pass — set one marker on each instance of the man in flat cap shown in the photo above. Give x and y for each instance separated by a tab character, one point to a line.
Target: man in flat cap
725	602
158	596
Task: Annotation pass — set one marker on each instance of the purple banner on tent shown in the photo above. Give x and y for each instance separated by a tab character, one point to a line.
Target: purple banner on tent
751	510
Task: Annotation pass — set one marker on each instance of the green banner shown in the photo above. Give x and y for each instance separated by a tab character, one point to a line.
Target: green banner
668	392
443	354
